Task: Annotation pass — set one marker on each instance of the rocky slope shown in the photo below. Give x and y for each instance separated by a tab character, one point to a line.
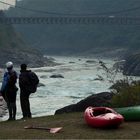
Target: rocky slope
13	48
132	65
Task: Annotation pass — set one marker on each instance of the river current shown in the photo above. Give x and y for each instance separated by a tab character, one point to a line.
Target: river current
82	77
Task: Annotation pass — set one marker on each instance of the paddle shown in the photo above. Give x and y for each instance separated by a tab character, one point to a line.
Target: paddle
51	130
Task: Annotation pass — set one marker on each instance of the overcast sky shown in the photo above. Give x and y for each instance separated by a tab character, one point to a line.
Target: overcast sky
4	7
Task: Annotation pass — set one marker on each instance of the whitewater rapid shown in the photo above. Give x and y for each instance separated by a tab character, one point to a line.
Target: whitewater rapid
80	80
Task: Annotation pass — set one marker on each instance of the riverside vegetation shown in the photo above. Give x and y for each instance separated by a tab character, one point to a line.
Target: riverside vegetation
126	91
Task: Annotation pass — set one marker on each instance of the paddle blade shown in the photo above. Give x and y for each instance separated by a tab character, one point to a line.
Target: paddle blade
55	130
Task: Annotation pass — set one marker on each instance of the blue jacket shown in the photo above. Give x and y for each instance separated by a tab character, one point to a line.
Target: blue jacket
5	81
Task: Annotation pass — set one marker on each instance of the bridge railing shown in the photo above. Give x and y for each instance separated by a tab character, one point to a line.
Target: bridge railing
71	20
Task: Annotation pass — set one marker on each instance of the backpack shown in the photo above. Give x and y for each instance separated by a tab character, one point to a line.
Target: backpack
34	81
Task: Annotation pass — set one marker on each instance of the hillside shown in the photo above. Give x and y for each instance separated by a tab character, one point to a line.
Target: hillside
13	48
102	40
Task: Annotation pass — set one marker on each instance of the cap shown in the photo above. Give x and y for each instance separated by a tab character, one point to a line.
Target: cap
9	64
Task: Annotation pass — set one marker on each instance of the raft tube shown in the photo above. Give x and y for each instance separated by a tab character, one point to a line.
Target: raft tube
102	117
130	113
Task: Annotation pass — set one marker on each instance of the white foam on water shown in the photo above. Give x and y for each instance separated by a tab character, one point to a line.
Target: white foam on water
78	83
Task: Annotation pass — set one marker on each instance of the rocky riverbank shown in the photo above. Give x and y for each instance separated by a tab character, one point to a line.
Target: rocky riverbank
3	107
132	65
14	48
100	99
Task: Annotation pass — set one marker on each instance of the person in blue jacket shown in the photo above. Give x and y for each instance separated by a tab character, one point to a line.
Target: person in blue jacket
9	89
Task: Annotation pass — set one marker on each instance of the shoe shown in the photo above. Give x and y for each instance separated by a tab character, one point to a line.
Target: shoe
10	119
29	117
14	119
25	118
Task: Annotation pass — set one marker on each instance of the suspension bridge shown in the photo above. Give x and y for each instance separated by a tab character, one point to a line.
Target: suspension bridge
106	18
109	20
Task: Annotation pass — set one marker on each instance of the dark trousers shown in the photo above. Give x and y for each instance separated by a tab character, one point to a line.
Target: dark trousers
10	98
25	104
12	110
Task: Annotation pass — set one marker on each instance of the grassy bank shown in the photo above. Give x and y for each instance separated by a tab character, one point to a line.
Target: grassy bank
74	127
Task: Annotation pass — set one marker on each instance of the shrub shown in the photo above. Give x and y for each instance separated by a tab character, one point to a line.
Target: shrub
120	84
126	93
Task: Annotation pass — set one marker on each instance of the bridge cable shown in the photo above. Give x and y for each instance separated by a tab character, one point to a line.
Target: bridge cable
74	14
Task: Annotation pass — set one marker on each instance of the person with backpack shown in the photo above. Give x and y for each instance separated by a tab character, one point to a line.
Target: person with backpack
28	82
9	90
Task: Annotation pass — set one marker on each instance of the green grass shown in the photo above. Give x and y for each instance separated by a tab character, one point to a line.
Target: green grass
74	127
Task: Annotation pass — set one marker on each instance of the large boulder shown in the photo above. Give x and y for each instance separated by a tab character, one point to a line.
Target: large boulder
100	99
132	65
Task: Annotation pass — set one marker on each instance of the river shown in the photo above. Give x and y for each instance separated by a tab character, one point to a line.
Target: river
81	79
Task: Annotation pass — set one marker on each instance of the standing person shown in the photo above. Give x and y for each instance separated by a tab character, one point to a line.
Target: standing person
28	82
9	90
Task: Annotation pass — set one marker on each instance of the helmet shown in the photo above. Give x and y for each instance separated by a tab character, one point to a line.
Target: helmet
9	64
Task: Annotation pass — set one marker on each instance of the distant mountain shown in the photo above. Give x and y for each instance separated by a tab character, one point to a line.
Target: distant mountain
13	48
98	40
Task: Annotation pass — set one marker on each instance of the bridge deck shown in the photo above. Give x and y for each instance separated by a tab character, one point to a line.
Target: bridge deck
71	20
